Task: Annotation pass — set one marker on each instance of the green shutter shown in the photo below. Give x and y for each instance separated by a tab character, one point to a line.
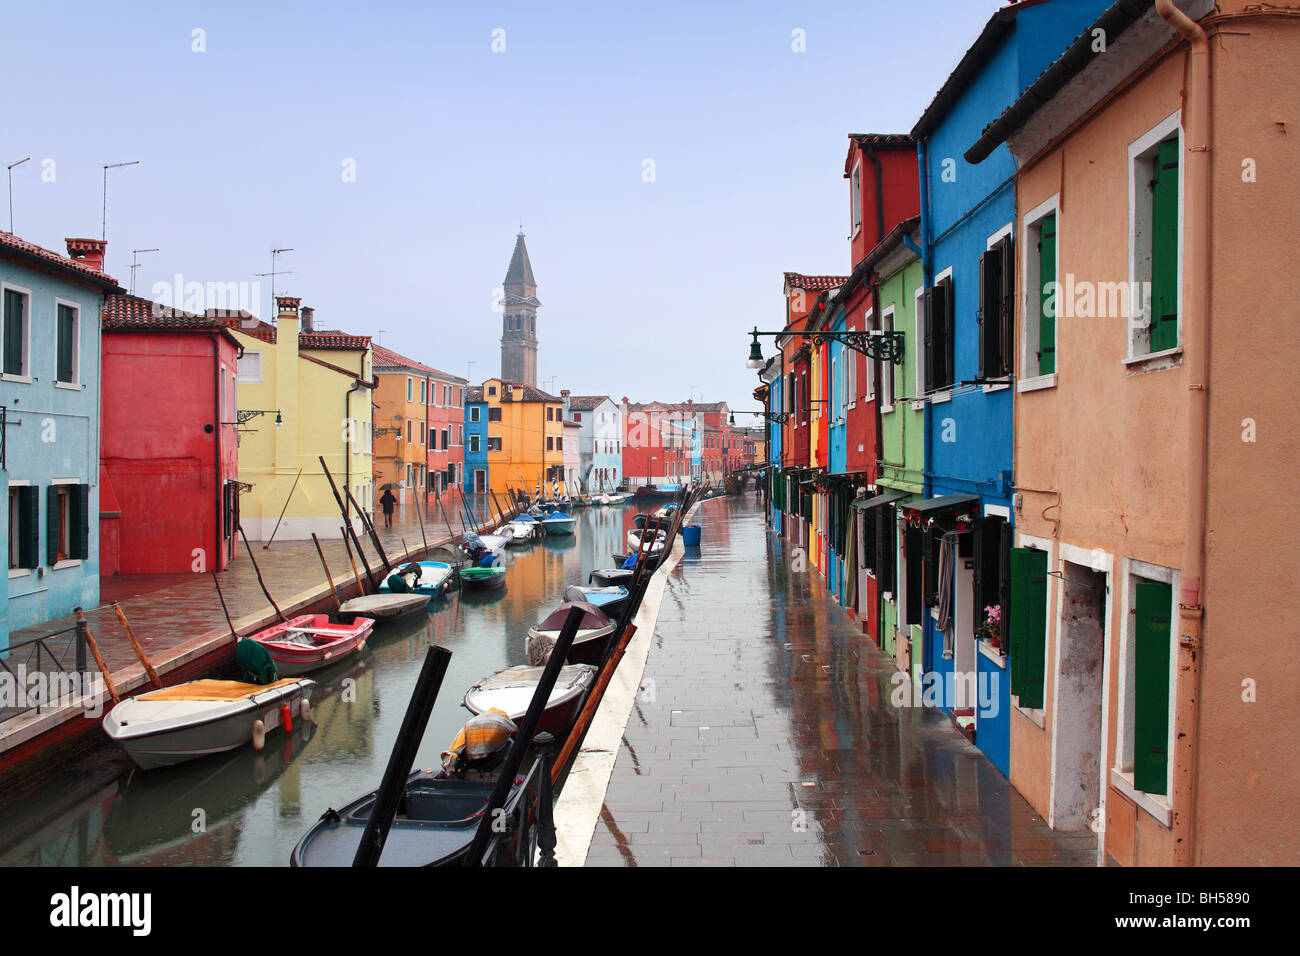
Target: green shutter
1046	310
66	334
1028	624
80	504
29	511
1151	687
13	332
52	526
1164	248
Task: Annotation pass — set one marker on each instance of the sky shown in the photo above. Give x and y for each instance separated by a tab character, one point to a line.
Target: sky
667	162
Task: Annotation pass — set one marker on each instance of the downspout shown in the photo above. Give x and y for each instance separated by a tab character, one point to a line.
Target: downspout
927	279
347	455
1196	314
217	431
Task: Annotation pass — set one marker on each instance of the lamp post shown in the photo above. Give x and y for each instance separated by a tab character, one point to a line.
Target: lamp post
884	346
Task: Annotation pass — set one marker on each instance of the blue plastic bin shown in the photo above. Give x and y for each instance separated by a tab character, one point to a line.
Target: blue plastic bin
691	536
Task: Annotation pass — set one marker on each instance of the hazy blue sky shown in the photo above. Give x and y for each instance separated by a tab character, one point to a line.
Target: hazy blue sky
648	288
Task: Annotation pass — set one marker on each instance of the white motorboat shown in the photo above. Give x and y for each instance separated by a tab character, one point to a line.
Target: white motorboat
202	717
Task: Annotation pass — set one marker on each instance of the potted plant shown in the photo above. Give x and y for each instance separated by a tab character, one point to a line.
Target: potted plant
991	629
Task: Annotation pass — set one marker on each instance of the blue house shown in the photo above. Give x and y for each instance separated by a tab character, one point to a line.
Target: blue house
771	378
968	242
49	413
476	443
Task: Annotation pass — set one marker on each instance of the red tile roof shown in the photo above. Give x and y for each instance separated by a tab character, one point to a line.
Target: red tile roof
31	251
123	311
332	339
586	403
386	359
797	280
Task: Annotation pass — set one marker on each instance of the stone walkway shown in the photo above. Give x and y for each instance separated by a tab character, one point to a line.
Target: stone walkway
764	735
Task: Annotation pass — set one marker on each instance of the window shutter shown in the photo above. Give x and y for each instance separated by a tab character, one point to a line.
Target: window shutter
13	333
1151	691
1164	248
1028	624
931	358
52	526
990	313
931	597
80	504
30	529
1046	316
1007	308
948	345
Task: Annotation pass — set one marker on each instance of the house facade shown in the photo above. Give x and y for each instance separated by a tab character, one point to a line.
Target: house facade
477	469
1137	623
600	441
169	497
303	395
49	427
525	437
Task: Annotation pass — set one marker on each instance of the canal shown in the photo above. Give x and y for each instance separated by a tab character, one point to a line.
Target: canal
249	808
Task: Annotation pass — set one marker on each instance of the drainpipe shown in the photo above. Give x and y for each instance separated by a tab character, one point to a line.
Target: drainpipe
347	455
927	273
1196	314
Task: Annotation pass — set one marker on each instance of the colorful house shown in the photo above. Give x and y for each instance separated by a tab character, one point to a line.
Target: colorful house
662	442
967	237
1145	597
477	469
600	441
525	437
49	427
445	414
302	395
169	497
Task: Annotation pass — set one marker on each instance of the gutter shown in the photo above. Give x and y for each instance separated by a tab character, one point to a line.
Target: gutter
927	281
1196	313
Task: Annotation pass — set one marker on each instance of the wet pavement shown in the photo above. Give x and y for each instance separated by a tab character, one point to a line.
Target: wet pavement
764	735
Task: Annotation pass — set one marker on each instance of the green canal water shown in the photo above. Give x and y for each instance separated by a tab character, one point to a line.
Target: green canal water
249	808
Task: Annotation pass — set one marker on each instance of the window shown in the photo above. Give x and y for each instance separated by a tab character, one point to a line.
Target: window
494	444
16	333
65	343
410	431
887	368
423	437
24	526
938	334
997	281
1027	624
577	416
409	388
550	443
424	391
491	389
1042	292
473	443
67	528
494	413
444	439
473	414
250	368
855	198
1154	239
550	413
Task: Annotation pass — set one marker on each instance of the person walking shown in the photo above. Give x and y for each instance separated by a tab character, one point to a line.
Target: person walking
386	502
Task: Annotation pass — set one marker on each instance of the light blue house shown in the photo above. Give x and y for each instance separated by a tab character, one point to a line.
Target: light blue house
771	377
600	440
968	241
476	477
49	400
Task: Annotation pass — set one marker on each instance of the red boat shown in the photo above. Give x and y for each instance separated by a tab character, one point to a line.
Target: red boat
312	641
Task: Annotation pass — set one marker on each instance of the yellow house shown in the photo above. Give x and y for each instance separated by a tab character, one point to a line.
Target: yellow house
301	395
525	436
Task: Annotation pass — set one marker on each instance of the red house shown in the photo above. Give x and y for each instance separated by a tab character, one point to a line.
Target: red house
169	498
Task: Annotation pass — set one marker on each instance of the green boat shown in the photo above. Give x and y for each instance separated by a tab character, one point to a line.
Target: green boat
482	579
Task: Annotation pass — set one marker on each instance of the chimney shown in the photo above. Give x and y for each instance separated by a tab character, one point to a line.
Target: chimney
308	322
287	306
89	252
564	393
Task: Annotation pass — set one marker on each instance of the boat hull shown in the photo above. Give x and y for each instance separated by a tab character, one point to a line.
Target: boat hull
561	709
164	733
588	644
338	642
383	608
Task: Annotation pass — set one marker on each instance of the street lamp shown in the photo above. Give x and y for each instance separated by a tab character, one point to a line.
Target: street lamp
884	346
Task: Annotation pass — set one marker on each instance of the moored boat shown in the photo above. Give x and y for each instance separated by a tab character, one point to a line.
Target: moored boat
311	641
610	577
558	523
174	724
610	599
510	691
594	633
383	608
419	577
482	579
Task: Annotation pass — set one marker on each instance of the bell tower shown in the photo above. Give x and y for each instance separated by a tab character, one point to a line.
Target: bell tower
519	326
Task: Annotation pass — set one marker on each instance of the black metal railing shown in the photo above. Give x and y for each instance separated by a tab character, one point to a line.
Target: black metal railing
46	654
525	826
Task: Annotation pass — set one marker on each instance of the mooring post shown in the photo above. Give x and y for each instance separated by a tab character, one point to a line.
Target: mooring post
545	744
81	639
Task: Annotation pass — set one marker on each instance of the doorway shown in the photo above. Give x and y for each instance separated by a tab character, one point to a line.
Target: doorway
1077	744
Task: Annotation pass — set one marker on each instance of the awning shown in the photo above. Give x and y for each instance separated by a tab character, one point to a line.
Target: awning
887	498
943	503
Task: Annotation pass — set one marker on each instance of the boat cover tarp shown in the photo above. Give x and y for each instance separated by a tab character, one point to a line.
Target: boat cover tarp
255	663
592	616
228	690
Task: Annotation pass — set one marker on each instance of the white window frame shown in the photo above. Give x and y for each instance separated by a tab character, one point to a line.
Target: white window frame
918	345
1038	715
26	376
75	384
887	368
1159	805
855	199
1140	170
242	376
1030	229
22	572
474	414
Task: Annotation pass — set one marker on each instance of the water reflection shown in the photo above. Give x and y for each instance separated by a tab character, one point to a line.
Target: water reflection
249	808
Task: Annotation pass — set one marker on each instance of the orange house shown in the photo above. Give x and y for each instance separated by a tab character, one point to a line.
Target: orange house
525	437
